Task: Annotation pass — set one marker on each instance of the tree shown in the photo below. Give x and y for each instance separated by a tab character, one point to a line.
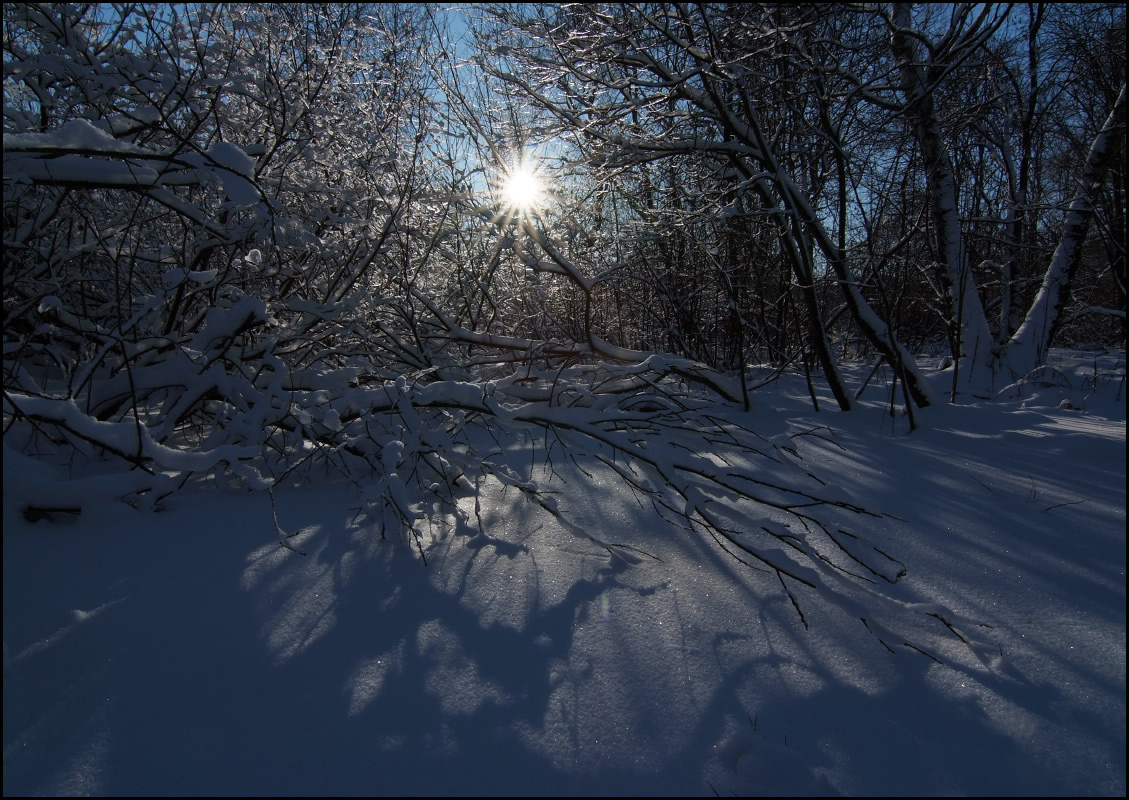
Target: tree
190	226
926	62
649	83
781	116
239	251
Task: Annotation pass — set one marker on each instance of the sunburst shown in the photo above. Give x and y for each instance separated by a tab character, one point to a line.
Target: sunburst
522	189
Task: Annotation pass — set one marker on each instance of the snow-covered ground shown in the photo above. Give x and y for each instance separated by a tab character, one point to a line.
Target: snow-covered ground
185	652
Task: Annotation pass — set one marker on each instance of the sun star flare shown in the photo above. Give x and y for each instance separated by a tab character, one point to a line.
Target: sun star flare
523	189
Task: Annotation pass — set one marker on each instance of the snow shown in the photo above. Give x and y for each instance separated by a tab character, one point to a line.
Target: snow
232	167
79	170
228	163
78	134
183	651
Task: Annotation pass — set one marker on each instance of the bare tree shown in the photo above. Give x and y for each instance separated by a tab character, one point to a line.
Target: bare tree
927	60
702	87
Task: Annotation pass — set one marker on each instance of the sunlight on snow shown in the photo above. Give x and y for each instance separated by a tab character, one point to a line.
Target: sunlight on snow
369	677
298	603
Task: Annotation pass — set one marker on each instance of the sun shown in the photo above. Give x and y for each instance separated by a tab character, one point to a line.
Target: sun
523	188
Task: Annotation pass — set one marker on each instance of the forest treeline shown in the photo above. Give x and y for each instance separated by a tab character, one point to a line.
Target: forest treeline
734	184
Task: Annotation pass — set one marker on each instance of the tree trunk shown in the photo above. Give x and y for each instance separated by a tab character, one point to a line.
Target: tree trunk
975	335
1028	347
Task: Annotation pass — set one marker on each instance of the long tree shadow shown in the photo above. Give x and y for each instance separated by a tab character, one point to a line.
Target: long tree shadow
524	660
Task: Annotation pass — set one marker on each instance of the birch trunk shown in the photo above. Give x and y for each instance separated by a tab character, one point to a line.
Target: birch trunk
973	331
1028	347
